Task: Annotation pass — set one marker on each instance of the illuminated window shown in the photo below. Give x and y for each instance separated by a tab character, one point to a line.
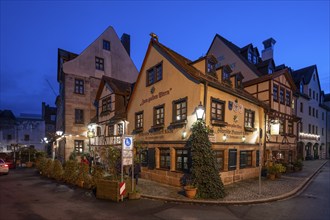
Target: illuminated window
232	159
79	146
219	155
181	160
165	158
159	115
217	110
249	119
139	120
180	110
245	159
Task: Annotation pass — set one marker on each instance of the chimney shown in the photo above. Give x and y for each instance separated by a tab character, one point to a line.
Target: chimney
126	42
268	52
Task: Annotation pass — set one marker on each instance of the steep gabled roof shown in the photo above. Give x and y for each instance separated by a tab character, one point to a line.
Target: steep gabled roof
117	86
272	76
184	65
237	51
66	56
263	66
304	74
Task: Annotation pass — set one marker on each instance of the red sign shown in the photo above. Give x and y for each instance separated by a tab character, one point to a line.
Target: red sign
122	188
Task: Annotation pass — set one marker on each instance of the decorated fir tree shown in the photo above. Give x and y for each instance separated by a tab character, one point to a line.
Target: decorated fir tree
204	170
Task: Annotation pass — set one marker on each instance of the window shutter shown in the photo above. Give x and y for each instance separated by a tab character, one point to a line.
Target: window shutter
151	158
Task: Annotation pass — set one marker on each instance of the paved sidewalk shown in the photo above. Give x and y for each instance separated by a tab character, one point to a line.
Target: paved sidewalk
243	192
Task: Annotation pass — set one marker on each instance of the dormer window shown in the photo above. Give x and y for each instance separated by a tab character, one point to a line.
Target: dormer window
225	75
210	66
270	70
255	60
250	57
301	89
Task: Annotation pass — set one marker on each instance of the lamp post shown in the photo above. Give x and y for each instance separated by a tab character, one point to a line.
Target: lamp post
200	111
90	134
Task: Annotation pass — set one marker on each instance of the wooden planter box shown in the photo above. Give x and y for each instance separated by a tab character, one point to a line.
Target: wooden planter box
109	189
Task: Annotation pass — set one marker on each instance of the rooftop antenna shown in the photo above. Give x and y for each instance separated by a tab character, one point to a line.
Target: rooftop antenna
51	87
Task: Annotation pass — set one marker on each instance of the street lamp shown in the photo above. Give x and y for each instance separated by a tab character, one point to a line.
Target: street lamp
200	111
90	134
59	133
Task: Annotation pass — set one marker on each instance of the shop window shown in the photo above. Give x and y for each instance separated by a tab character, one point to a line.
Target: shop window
232	160
219	155
182	160
143	156
245	159
165	158
79	146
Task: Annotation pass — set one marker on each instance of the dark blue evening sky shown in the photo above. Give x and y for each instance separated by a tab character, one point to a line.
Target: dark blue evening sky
32	31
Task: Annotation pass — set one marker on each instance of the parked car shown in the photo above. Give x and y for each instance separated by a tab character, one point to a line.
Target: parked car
4	168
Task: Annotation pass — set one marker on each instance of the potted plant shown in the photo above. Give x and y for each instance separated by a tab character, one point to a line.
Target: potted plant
297	165
272	170
134	194
279	170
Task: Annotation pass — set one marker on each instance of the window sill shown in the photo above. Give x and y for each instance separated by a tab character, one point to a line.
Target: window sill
250	129
137	130
156	128
178	124
218	123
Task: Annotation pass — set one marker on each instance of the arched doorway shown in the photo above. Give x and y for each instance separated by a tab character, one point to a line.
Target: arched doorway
308	151
316	151
300	150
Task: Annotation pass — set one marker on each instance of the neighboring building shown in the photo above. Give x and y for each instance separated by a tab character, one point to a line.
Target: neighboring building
326	105
271	84
49	116
111	101
161	112
7	130
312	129
277	91
30	130
27	130
79	77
